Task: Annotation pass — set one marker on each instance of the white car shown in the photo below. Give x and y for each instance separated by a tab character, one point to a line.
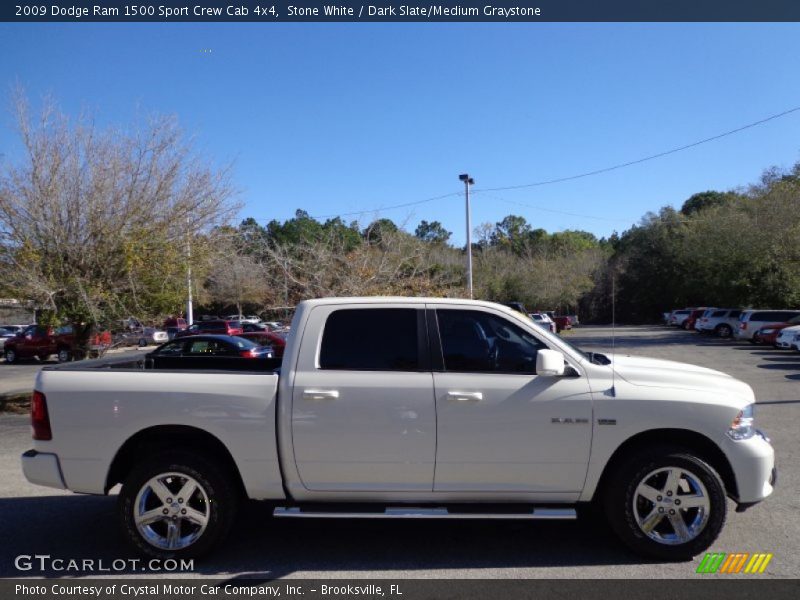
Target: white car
678	317
407	408
750	321
243	319
787	338
720	321
544	321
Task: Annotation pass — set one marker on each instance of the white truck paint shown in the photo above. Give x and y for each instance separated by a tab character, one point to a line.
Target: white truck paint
421	439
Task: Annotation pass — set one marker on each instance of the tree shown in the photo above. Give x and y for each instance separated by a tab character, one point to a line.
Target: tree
704	200
95	224
432	232
511	233
375	232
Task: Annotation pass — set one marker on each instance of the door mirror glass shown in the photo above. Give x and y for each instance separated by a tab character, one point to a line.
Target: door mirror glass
549	363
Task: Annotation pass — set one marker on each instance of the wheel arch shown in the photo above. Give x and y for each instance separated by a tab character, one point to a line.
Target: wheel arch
163	438
703	447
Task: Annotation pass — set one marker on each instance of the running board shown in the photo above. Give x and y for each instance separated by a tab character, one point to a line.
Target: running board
424	513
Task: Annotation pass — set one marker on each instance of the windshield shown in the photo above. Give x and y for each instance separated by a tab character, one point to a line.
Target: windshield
596	358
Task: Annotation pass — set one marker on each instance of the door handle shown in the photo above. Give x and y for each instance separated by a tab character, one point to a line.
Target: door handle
465	396
320	394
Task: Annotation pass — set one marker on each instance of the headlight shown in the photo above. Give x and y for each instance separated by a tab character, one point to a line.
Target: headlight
742	426
767	331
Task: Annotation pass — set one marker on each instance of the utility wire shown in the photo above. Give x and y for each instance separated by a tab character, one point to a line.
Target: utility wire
568	178
558	212
377	210
645	159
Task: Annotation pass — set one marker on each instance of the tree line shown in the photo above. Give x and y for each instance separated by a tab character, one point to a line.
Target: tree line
97	225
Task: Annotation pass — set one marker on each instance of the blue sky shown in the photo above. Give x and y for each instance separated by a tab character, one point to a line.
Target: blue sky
344	118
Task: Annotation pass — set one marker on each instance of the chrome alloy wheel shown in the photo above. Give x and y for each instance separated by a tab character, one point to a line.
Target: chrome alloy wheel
671	506
171	511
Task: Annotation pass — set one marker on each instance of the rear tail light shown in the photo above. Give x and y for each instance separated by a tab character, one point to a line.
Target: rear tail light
248	353
40	420
743	325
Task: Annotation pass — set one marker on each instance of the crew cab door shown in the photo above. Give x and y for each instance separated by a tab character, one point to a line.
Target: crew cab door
363	415
501	427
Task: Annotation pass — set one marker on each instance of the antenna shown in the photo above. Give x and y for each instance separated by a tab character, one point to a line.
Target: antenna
613	331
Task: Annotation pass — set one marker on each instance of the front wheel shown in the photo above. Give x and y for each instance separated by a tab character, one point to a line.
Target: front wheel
64	355
177	505
667	504
11	356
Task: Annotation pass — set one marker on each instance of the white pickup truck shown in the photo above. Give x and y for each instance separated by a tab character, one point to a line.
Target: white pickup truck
404	408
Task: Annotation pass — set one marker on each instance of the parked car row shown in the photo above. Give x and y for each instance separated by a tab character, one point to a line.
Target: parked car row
779	328
42	341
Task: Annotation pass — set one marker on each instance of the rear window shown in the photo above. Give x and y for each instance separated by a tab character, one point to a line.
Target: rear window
371	339
735	314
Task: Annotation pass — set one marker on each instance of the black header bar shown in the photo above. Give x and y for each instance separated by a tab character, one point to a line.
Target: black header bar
269	11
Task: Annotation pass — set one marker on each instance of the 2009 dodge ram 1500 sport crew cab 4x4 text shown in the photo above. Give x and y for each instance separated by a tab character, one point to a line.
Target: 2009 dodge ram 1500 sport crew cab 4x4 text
408	407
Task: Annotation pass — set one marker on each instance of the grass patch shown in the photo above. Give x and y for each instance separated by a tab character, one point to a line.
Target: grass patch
18	404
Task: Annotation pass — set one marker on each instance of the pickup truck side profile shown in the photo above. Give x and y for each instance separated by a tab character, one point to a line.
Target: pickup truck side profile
404	408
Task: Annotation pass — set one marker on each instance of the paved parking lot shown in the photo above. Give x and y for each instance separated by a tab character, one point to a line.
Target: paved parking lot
36	520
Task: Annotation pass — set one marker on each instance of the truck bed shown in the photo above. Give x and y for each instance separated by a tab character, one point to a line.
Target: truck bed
96	407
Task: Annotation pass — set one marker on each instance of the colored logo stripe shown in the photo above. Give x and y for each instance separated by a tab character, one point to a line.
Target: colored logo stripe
721	562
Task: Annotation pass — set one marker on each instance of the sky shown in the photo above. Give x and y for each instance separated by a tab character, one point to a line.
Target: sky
349	119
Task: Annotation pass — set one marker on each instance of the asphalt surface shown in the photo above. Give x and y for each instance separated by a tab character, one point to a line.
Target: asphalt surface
37	520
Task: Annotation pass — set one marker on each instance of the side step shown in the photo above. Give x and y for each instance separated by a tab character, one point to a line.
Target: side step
424	513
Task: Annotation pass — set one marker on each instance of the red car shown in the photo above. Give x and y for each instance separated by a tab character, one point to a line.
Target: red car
178	322
691	320
768	334
562	323
211	327
40	341
267	338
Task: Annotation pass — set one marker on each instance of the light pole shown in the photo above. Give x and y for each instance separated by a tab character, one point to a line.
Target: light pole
468	181
189	307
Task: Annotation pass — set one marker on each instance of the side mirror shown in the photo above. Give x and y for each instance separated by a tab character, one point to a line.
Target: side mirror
549	363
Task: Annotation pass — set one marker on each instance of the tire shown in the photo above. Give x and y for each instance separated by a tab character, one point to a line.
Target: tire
685	325
724	331
64	355
646	525
11	356
211	507
142	342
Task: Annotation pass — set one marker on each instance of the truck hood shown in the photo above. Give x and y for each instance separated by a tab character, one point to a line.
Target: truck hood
656	372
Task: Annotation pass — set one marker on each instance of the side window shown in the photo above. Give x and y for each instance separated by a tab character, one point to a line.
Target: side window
171	349
208	348
371	339
475	341
721	313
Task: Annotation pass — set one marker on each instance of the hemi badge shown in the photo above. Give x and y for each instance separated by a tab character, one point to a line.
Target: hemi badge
568	420
606	421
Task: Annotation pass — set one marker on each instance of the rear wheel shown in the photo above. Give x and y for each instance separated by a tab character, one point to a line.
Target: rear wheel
64	355
177	504
667	504
724	331
142	342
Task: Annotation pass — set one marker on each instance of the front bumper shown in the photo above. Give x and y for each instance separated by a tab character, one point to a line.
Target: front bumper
43	468
753	464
